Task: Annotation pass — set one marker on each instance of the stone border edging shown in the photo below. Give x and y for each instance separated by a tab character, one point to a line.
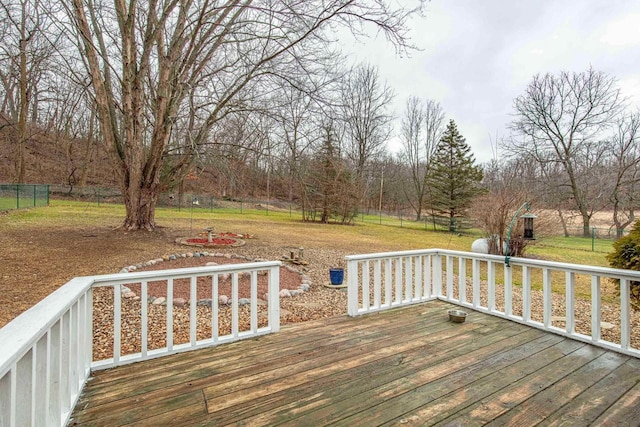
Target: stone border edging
305	281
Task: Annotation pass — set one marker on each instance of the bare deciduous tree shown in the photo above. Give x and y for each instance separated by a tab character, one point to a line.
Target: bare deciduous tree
366	118
25	52
185	64
624	167
561	119
421	132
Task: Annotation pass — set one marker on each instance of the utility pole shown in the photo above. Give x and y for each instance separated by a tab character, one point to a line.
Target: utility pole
381	185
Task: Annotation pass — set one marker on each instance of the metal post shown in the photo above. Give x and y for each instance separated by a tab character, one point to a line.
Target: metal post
34	196
593	239
17	196
525	205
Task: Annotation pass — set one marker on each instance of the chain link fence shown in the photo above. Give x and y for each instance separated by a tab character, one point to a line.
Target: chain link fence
19	196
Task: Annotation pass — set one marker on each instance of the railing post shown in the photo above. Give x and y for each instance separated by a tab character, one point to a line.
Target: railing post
352	288
377	283
595	308
508	290
437	274
274	298
625	325
366	290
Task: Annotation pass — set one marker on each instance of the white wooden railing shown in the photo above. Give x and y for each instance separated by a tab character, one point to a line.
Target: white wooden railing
46	353
387	280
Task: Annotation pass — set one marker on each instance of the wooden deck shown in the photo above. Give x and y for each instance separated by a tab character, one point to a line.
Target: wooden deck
406	366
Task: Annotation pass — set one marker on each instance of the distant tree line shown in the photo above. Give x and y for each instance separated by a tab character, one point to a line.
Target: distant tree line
253	99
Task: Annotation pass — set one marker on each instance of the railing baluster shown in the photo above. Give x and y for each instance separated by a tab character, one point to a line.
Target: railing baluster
546	294
55	371
418	285
476	283
449	266
570	295
234	305
625	324
408	278
398	265
366	291
169	312
595	308
21	390
428	278
65	386
7	404
214	307
377	281
508	291
73	350
388	282
526	294
193	299
462	279
117	323
144	321
40	383
491	286
254	301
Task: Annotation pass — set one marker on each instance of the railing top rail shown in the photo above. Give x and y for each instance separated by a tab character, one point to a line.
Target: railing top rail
180	273
574	268
381	255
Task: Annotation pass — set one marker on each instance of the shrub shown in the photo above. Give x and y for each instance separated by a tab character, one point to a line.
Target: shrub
626	254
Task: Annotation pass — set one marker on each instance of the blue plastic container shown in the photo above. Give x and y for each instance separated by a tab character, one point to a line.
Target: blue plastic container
336	275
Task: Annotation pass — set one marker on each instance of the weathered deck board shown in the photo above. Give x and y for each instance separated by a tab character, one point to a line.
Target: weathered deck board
405	366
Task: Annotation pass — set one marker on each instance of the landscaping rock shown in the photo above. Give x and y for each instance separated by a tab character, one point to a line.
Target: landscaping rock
159	301
179	302
244	301
223	300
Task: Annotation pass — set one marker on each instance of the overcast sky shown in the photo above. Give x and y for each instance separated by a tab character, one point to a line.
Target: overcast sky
477	56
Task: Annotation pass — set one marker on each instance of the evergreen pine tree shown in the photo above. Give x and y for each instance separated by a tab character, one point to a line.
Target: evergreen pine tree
454	178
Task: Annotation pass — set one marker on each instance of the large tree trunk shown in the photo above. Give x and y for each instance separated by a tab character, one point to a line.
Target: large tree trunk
140	203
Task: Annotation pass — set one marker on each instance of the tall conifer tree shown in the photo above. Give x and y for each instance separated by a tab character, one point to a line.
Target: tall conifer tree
454	179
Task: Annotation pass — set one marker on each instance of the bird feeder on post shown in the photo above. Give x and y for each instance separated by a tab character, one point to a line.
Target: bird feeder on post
528	226
527	218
